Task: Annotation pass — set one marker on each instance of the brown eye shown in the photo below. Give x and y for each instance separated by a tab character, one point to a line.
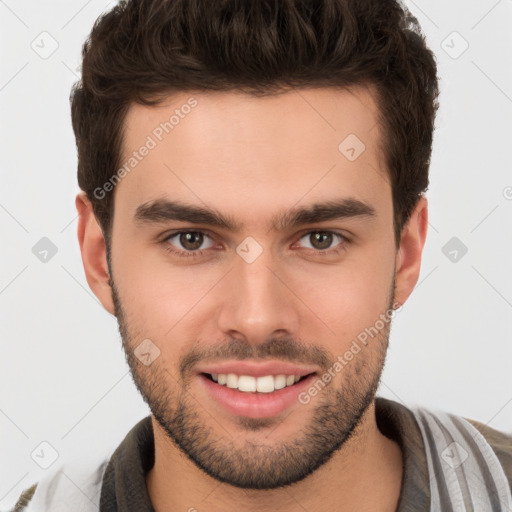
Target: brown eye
189	241
322	240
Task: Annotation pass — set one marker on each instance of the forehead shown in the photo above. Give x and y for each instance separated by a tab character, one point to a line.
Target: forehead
228	149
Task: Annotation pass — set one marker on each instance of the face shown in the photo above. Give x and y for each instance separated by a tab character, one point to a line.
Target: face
252	243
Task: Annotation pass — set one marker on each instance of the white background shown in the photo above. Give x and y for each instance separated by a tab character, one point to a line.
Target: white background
63	376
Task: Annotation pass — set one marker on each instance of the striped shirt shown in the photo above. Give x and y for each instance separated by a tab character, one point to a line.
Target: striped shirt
450	464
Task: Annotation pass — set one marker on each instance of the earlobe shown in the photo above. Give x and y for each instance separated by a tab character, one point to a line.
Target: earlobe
408	259
94	252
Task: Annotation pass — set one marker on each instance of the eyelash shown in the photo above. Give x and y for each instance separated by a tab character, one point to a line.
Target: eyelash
194	254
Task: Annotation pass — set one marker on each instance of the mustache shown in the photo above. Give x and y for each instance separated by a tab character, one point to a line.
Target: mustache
284	349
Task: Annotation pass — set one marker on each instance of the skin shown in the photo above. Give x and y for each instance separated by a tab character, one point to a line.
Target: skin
275	153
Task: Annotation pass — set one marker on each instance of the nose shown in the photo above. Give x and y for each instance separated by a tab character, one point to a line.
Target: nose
259	301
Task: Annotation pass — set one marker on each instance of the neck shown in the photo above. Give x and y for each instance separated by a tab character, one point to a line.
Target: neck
364	474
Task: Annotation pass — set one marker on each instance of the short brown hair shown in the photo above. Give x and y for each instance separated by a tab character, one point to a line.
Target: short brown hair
144	50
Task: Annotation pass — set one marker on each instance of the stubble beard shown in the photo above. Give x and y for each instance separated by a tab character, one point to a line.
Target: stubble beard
337	413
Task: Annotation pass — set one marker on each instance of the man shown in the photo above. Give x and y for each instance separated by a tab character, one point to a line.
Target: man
252	212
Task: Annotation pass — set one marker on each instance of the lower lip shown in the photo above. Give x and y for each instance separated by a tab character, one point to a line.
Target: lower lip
256	405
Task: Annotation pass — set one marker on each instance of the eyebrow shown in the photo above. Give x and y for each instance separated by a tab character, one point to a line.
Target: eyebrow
163	210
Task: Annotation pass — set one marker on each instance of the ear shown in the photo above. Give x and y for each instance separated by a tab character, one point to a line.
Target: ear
408	259
94	252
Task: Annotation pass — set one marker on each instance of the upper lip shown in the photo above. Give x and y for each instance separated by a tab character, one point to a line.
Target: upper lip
257	368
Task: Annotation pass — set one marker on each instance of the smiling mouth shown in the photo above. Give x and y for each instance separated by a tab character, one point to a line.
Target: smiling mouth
251	384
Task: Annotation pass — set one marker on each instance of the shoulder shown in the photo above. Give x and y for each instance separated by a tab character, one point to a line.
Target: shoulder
69	487
467	460
501	444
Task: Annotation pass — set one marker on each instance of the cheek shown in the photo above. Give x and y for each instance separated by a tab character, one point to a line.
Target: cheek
350	297
160	299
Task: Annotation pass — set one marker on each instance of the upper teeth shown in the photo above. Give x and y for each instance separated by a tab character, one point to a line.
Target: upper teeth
247	383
